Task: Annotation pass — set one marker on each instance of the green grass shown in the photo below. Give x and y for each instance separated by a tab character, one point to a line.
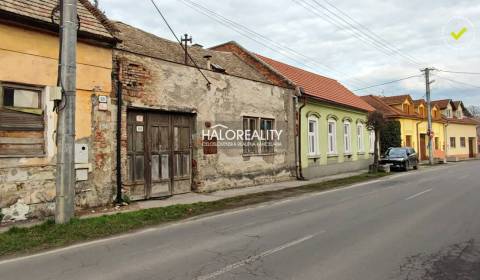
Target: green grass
49	235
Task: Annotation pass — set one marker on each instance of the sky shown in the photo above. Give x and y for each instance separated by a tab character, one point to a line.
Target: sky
359	43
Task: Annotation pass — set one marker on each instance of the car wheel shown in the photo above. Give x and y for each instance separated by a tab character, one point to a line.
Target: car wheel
416	166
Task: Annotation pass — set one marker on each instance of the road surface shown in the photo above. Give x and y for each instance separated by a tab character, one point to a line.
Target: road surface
415	225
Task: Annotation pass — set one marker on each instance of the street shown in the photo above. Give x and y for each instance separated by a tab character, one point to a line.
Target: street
417	225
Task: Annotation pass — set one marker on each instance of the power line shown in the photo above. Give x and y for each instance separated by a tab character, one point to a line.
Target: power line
260	38
459	82
458	72
391	82
180	43
340	22
368	30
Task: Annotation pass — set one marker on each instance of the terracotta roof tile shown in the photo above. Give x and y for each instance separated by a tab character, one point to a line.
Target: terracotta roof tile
318	86
379	105
442	104
92	20
141	42
395	100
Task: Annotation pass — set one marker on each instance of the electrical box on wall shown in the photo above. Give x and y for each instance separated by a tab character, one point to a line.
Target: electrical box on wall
81	153
54	93
82	174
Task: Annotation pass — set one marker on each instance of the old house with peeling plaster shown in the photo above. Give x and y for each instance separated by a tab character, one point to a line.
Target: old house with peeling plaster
29	50
168	112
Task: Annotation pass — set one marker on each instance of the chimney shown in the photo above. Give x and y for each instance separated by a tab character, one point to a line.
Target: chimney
209	62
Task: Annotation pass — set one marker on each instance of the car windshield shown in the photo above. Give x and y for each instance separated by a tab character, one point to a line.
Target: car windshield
397	152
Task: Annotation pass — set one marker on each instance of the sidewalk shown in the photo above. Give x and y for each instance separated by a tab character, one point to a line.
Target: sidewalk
191	198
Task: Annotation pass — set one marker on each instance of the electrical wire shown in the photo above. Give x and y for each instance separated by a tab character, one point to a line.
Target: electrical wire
180	42
459	82
390	82
458	72
274	46
341	23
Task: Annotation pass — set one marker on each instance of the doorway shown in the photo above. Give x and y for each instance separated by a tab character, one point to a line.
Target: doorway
423	147
471	147
159	153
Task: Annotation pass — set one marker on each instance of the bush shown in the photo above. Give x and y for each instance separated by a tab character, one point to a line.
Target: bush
391	136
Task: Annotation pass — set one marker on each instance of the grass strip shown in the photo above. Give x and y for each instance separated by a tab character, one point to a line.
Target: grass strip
50	235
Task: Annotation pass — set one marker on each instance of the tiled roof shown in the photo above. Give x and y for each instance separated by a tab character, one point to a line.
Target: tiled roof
379	105
318	86
92	21
465	120
419	101
140	42
395	100
442	104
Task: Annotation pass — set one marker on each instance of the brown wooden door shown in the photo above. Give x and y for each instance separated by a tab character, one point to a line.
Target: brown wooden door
159	154
471	143
423	147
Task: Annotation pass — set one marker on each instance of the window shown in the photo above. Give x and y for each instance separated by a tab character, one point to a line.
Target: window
313	136
448	113
459	114
406	108
250	126
266	127
360	141
421	111
347	137
258	133
22	121
453	142
408	141
332	137
372	141
463	142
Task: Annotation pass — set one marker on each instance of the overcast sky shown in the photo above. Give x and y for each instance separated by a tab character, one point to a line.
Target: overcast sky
322	42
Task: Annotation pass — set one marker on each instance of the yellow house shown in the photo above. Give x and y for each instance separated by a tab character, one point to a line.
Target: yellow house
29	50
413	121
461	130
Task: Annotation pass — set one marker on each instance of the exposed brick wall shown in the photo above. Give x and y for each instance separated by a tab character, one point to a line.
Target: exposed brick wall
134	78
260	67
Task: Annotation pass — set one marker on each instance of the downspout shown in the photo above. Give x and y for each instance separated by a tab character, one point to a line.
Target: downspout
418	137
447	147
119	94
299	136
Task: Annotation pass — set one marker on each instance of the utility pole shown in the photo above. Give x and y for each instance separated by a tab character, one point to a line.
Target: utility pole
65	181
186	40
429	114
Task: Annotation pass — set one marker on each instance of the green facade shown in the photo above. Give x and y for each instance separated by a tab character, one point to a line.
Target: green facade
323	163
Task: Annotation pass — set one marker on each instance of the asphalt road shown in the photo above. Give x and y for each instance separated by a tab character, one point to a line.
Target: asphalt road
415	225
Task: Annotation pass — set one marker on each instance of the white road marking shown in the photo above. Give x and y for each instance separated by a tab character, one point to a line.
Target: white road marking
252	259
418	194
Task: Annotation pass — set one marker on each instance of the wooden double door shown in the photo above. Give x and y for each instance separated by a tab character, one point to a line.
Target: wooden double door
159	153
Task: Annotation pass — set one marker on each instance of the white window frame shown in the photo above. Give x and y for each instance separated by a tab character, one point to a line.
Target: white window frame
332	137
347	137
360	138
313	136
372	141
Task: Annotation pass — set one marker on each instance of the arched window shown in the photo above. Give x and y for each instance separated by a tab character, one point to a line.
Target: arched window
332	136
360	141
313	136
347	137
372	141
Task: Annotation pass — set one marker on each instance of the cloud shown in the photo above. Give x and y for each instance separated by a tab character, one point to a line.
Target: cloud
414	27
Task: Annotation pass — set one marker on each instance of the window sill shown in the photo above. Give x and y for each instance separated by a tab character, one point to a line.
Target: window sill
332	155
360	153
347	154
258	155
313	156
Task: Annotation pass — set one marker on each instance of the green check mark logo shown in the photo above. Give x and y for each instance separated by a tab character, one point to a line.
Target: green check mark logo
459	34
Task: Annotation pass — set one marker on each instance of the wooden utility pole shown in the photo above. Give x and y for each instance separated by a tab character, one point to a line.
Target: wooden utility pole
186	40
65	178
429	114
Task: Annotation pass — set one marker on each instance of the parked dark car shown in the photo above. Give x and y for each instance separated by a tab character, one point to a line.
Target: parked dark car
404	158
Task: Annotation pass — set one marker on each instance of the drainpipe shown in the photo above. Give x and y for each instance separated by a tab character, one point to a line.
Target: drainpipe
445	141
418	138
119	93
298	149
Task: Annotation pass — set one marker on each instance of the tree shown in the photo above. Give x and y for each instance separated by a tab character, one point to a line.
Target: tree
390	136
376	122
474	110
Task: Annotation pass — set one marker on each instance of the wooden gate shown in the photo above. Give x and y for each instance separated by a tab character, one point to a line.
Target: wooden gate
471	147
423	147
159	154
